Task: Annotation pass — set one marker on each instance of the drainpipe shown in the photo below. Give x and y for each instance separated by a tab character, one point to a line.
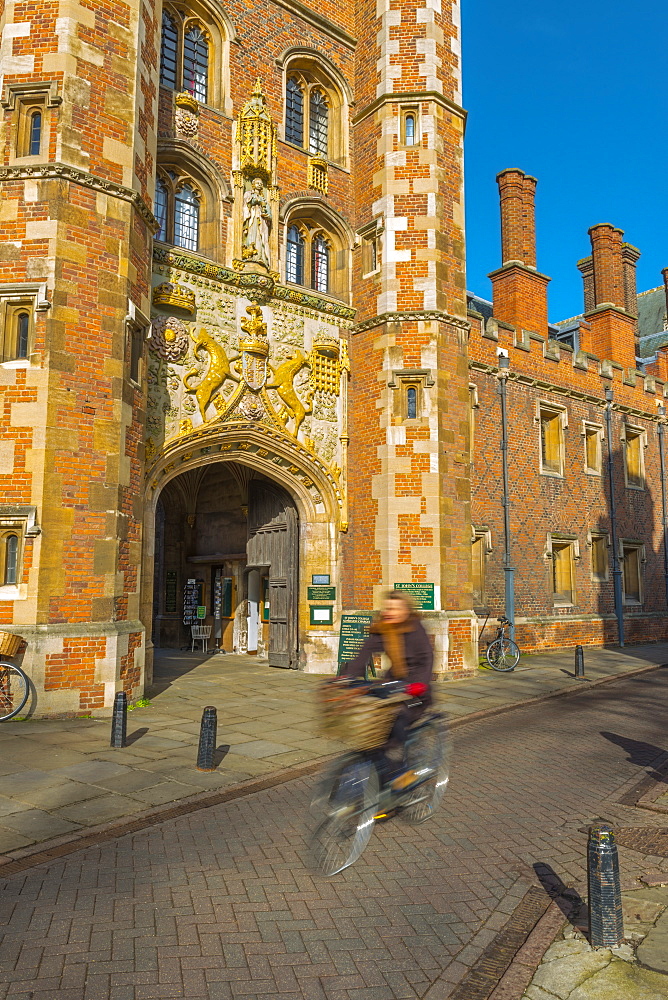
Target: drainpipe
508	570
662	424
616	571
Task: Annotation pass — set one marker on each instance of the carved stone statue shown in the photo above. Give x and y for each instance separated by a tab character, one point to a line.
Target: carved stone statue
257	224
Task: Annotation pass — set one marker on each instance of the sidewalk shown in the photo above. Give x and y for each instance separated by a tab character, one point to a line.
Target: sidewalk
60	779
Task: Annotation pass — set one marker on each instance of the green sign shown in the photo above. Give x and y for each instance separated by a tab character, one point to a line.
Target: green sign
321	614
421	594
321	593
354	630
201	611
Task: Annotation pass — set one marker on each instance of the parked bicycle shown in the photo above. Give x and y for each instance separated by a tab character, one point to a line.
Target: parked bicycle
502	652
14	684
351	796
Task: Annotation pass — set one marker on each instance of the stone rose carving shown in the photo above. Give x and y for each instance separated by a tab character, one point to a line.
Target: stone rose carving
169	339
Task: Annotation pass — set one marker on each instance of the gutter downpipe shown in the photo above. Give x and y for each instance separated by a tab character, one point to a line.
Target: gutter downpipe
662	423
616	571
508	569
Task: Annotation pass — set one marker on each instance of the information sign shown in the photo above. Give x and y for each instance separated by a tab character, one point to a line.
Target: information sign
201	611
321	593
320	579
421	594
354	630
170	592
192	598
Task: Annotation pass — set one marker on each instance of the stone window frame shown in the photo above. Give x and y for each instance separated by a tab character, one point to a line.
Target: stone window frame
23	100
409	110
20	521
560	412
369	240
590	427
404	379
561	540
591	537
313	70
639	433
137	326
638	546
474	404
219	33
15	299
484	534
174	184
314	219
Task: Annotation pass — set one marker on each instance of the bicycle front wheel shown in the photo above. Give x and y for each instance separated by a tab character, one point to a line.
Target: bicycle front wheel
503	654
14	691
344	806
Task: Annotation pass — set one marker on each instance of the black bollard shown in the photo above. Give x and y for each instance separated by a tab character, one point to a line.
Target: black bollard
579	662
119	720
606	924
207	740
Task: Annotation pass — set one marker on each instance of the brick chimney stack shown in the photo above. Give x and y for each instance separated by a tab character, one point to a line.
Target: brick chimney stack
609	277
665	282
519	290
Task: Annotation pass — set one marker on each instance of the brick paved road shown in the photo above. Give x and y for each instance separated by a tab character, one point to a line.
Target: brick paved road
219	905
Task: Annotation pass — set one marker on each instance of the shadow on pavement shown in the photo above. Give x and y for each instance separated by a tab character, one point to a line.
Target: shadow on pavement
640	753
569	901
137	735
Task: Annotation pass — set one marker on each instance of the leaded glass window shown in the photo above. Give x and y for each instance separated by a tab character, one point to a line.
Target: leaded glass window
22	332
294	112
320	264
318	123
196	63
168	51
294	263
186	218
161	198
11	558
35	138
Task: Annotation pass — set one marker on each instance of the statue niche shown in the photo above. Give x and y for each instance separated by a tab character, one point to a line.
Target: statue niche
255	191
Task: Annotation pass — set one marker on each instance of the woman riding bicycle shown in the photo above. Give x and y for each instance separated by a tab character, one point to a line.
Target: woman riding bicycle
399	633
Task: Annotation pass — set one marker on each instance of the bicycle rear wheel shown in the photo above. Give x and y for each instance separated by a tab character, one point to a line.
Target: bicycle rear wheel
344	805
503	654
427	751
14	691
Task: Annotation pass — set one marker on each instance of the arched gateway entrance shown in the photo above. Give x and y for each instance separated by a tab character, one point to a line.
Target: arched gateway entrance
227	543
242	521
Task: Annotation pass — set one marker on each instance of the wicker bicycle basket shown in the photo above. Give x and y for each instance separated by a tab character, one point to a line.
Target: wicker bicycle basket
10	643
355	718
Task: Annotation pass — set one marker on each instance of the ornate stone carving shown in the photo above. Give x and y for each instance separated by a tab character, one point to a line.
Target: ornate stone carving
186	115
256	196
282	381
169	338
175	296
317	174
218	371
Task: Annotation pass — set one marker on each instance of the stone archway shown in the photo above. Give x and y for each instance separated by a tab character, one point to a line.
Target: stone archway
249	453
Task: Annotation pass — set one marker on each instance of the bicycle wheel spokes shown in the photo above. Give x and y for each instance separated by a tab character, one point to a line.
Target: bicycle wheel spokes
503	654
14	691
427	752
346	815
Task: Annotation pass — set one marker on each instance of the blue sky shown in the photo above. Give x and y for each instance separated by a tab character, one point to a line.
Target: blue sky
574	93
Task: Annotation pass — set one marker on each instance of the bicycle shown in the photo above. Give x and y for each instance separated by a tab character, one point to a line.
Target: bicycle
502	653
14	690
350	796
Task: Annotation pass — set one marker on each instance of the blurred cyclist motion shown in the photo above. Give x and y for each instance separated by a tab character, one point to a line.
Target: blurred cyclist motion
400	634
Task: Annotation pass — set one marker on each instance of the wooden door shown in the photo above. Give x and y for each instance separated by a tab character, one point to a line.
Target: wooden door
273	543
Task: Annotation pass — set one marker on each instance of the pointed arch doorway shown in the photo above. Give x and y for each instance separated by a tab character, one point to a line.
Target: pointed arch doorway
273	570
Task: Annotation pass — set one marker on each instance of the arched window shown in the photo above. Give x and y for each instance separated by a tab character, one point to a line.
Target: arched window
318	123
35	133
11	559
196	63
294	258
161	199
169	47
186	218
22	334
411	402
294	112
320	264
409	130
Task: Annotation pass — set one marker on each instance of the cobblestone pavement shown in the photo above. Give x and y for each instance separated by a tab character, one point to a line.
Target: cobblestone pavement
59	777
219	905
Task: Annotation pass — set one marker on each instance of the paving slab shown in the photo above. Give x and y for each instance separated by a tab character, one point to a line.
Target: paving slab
98	810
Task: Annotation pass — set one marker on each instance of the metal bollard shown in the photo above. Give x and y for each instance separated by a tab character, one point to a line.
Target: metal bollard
606	924
119	720
579	662
207	740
